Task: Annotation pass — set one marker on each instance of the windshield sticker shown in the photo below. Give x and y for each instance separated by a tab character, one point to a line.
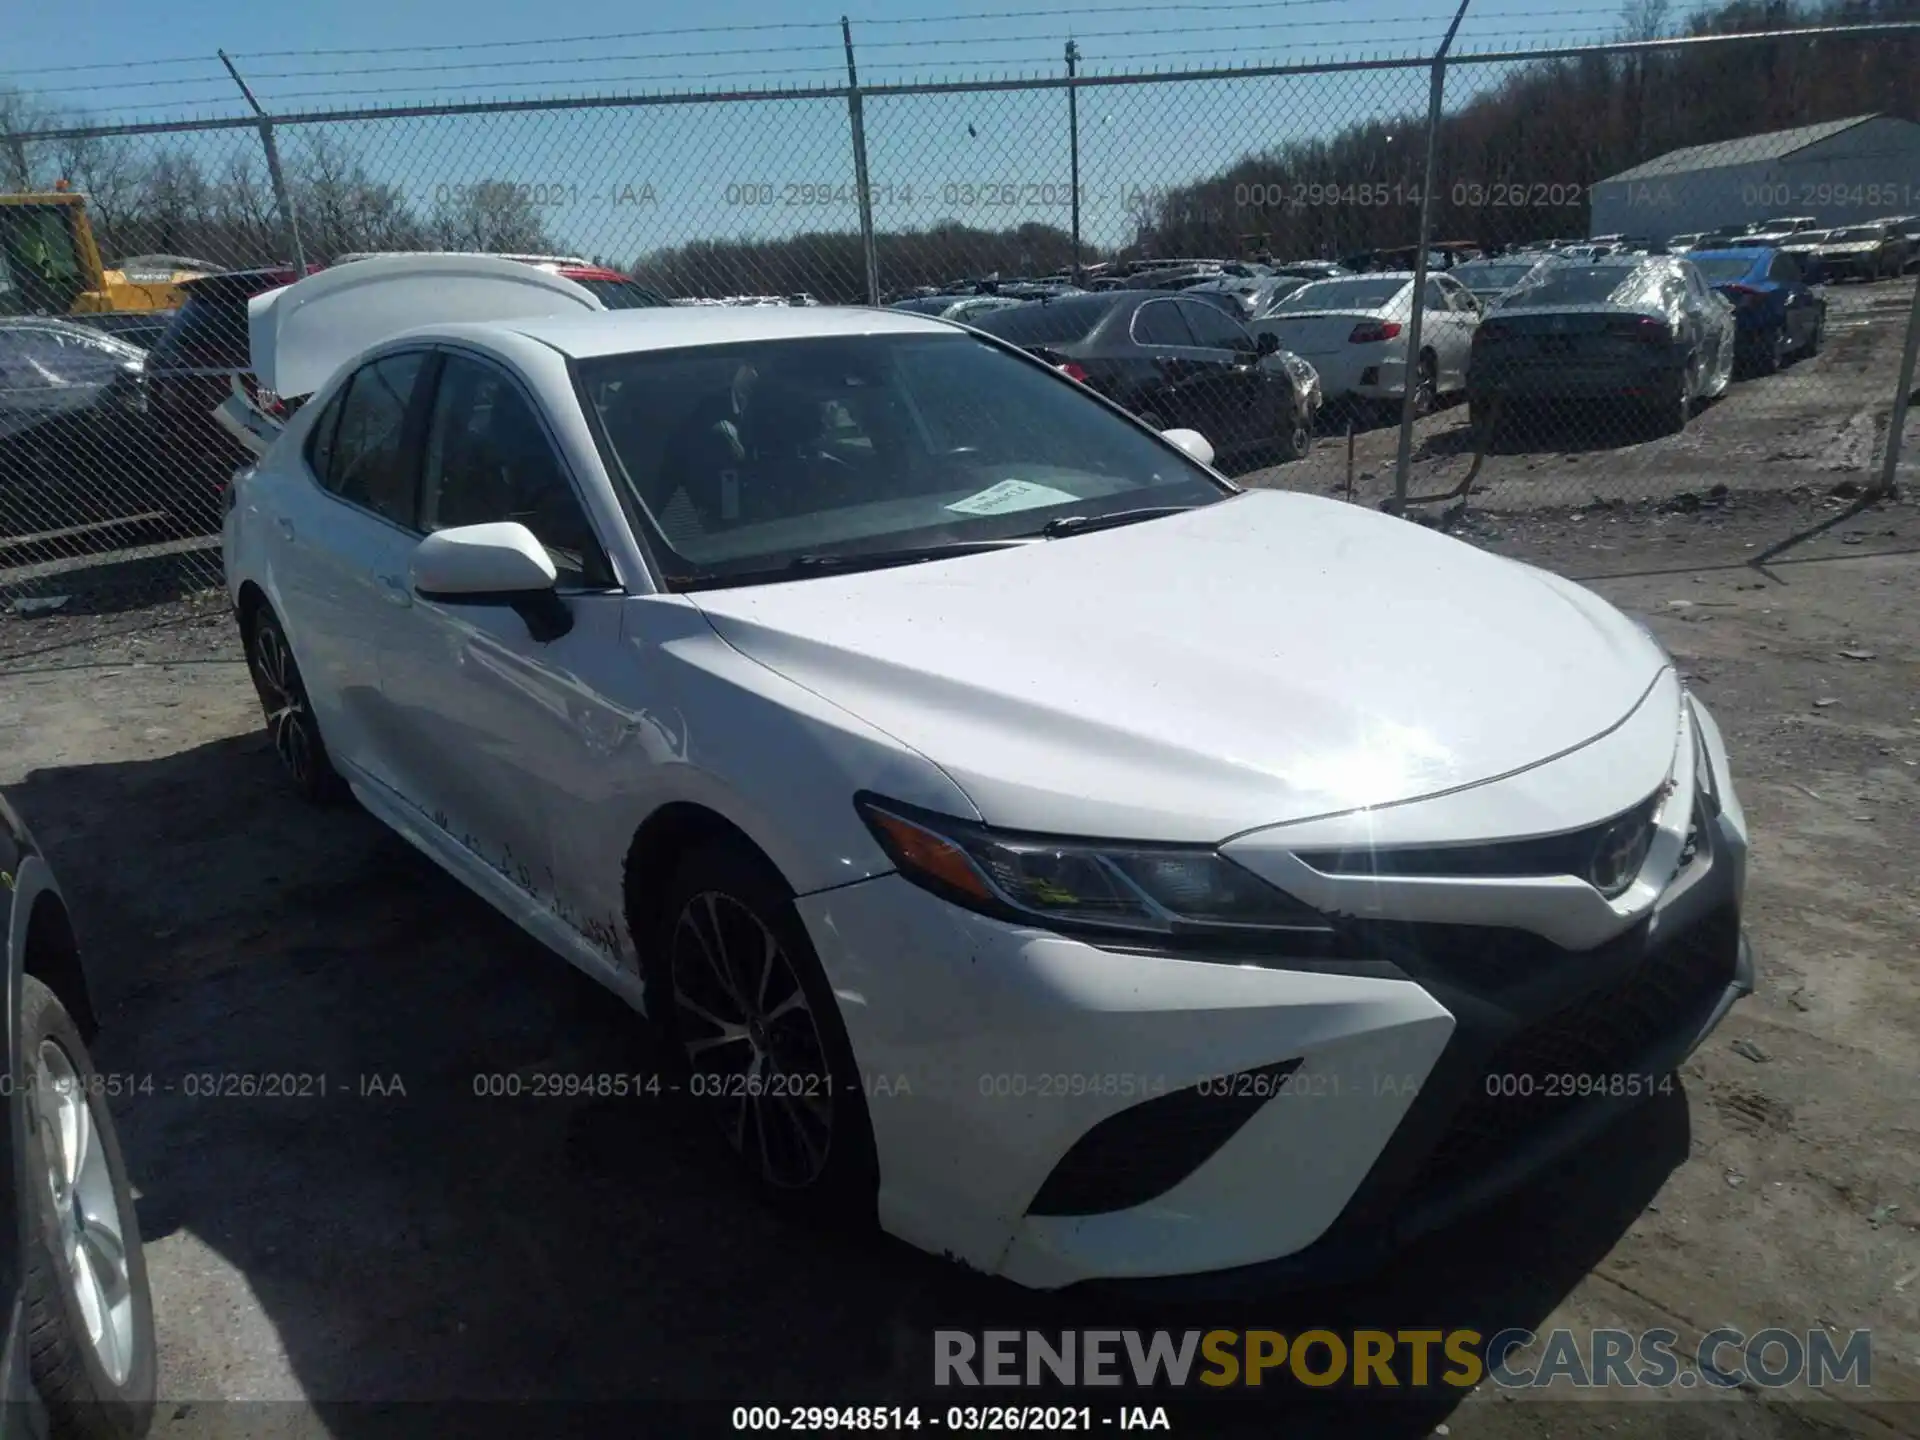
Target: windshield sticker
1011	495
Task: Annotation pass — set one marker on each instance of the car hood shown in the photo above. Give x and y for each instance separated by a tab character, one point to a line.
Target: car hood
1266	659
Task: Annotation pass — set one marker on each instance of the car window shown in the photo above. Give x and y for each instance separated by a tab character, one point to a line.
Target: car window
48	356
1436	297
1159	323
1784	269
488	459
320	437
368	461
1212	328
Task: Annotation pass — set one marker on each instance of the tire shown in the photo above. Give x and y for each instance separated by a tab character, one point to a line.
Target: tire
1426	386
1480	416
723	903
1296	433
1772	351
96	1376
289	713
1670	416
1813	340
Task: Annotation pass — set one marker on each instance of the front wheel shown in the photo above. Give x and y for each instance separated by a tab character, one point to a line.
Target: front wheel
755	1034
90	1341
1426	387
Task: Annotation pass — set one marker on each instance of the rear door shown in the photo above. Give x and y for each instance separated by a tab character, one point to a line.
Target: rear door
1452	316
1174	394
341	535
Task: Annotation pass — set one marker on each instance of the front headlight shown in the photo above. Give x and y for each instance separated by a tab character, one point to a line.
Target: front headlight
1150	890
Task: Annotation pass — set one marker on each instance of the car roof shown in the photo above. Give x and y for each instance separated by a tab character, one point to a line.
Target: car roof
616	332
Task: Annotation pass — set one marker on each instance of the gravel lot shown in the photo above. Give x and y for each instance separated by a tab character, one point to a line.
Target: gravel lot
431	1245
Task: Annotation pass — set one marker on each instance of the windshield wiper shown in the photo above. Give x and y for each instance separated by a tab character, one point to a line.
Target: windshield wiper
1079	524
838	564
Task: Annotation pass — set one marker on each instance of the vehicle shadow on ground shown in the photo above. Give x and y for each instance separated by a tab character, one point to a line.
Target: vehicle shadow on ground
1567	428
409	1238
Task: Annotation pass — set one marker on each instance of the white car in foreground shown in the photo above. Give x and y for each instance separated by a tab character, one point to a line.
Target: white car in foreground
1016	831
1354	331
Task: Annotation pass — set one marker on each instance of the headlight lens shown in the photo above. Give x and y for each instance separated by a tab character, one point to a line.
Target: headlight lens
1162	890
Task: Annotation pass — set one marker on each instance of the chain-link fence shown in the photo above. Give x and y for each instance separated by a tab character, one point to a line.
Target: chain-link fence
1665	271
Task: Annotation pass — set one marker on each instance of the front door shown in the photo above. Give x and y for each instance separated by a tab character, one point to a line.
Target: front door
506	733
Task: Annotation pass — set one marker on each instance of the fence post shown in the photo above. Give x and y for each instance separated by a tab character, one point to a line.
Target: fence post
1436	92
289	219
858	120
1073	144
1897	421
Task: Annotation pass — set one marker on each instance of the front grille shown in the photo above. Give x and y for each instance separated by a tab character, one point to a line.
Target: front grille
1147	1149
1521	1089
1569	853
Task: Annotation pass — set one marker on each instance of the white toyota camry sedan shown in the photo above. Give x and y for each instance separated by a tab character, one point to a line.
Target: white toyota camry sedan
1018	834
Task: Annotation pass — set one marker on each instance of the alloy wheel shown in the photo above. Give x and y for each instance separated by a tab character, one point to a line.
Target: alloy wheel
288	721
752	1044
88	1225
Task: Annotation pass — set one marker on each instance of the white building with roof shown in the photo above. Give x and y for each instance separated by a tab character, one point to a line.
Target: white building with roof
1838	172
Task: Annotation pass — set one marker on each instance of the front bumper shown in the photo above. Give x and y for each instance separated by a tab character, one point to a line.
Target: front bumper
1006	1066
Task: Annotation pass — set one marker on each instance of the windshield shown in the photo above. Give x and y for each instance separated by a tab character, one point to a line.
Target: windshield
744	458
1571	284
1718	270
1360	294
1056	322
1494	277
1857	232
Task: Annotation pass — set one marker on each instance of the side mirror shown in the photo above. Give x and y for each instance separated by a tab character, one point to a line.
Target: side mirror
1266	342
1193	442
500	563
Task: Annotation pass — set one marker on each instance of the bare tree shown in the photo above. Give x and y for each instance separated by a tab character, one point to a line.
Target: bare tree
489	215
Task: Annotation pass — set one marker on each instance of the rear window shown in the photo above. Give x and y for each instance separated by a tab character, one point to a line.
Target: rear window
1493	277
210	330
1368	294
1573	285
1054	322
1722	270
1857	232
622	294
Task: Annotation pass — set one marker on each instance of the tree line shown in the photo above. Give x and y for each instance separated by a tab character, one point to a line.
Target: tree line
1517	160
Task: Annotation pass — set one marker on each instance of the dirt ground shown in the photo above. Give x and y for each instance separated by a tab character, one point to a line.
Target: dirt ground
434	1245
400	1238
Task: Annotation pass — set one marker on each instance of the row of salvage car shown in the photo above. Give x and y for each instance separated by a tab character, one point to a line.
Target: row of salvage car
1657	333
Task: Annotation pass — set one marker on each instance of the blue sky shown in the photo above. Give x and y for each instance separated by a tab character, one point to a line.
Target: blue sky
620	181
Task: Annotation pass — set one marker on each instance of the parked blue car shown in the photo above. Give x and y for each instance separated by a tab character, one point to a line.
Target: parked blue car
1776	314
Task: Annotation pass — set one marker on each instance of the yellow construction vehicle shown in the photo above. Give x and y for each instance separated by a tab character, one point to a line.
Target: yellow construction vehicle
50	263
